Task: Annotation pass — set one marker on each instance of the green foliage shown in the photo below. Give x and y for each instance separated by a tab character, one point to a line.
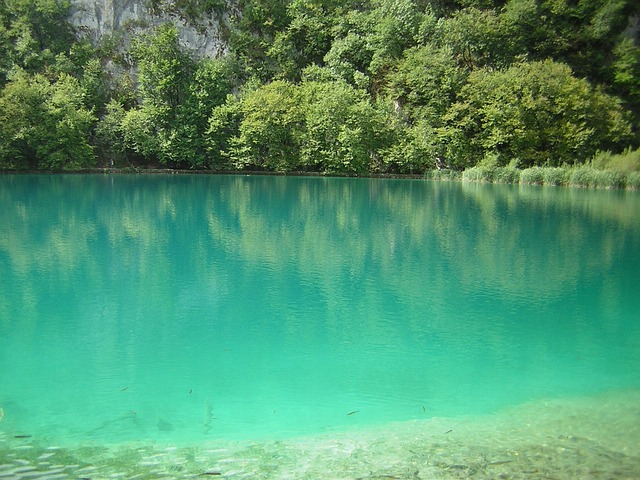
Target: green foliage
580	34
633	181
395	27
305	41
554	176
212	79
351	54
342	129
405	86
474	36
222	133
109	134
626	70
254	25
34	32
537	112
269	133
579	176
143	133
627	161
425	83
485	171
44	125
415	149
326	126
164	69
532	176
177	97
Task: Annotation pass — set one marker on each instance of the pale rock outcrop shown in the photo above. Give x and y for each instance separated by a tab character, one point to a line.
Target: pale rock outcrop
97	18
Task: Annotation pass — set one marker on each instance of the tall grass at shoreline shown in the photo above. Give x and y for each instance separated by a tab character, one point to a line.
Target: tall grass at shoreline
605	170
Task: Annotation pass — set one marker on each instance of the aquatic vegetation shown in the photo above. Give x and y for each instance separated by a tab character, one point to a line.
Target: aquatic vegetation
574	176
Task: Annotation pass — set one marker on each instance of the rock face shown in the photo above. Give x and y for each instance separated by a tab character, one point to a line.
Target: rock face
99	18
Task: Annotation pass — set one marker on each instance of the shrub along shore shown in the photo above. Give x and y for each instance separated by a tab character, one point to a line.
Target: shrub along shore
581	176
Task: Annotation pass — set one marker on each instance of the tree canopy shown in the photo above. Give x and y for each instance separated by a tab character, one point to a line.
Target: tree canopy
324	85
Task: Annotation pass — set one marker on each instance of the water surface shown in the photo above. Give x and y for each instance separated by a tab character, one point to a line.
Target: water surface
187	308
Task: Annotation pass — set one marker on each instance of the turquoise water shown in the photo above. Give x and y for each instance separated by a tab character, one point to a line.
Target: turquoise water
180	308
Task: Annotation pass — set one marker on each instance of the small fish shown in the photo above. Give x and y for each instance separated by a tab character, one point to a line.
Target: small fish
124	389
217	474
190	391
423	408
22	436
354	411
448	431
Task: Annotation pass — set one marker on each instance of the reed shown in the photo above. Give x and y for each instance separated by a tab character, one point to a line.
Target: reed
575	176
532	176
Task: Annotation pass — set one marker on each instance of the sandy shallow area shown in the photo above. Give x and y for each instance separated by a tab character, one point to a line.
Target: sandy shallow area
580	438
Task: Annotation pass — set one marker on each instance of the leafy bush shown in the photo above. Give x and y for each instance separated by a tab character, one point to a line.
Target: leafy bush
508	174
627	161
609	179
536	111
478	174
591	177
555	175
44	124
633	180
581	177
443	174
532	176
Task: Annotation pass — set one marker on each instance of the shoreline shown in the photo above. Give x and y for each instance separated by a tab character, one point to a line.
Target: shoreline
173	171
571	176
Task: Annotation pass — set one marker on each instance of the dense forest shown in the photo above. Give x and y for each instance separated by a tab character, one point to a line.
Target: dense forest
345	87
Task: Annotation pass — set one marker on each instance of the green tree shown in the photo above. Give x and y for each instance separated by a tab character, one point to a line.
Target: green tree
307	38
253	27
164	69
33	32
343	132
351	53
221	137
164	75
425	83
212	81
415	149
44	125
626	68
396	24
536	112
269	132
474	37
580	34
109	135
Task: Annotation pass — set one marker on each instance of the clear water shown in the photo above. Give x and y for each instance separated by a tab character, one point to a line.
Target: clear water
184	308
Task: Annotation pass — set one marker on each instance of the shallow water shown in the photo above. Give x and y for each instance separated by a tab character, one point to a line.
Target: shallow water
284	319
588	437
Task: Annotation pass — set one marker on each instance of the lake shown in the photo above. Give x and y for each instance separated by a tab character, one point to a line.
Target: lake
238	312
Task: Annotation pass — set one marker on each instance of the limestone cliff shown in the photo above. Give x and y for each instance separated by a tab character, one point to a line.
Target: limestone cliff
97	18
